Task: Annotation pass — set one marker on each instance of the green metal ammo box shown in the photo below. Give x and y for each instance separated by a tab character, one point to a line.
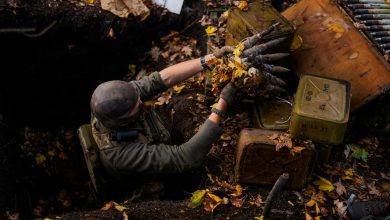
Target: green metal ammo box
272	114
321	109
258	17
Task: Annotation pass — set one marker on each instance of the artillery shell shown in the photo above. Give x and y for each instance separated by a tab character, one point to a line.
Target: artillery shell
366	1
276	69
258	49
271	57
386	46
376	22
383	39
368	6
378	27
372	11
372	16
380	33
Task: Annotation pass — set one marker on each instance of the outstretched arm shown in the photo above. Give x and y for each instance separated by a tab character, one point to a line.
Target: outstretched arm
182	71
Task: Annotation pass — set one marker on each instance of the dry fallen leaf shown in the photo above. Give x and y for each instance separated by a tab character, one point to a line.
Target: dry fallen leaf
155	53
324	184
210	30
341	208
187	51
257	201
373	189
237	202
178	89
340	189
197	198
297	42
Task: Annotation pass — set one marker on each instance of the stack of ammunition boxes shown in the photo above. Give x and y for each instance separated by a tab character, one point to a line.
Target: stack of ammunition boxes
320	112
374	17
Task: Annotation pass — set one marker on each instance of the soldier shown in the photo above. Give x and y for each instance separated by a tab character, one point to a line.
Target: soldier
133	142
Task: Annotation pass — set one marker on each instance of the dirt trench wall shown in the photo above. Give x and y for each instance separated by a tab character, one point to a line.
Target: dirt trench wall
48	79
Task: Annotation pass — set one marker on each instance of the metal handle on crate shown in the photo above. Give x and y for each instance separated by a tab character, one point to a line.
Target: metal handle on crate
288	102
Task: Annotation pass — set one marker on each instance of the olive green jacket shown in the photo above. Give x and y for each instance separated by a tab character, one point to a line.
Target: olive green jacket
137	157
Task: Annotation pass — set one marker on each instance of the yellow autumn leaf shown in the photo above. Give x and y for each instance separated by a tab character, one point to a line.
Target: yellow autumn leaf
178	89
90	2
297	42
238	49
317	209
214	197
209	206
239	73
120	208
197	198
132	68
210	30
51	153
348	174
317	218
225	137
324	184
308	217
40	159
225	14
108	205
243	5
260	218
214	105
311	203
238	189
231	65
66	203
297	149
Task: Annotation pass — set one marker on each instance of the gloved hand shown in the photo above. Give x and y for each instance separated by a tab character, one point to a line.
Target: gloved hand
257	62
223	51
229	94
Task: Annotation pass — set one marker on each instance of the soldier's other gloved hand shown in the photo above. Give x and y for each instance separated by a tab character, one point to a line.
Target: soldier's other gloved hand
229	94
223	51
271	86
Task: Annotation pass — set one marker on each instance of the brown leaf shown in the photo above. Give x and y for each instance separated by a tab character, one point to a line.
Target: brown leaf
298	149
340	189
187	51
237	202
257	201
340	208
108	205
373	189
155	53
307	216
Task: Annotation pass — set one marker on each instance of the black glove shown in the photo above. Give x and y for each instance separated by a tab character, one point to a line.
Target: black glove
229	94
226	50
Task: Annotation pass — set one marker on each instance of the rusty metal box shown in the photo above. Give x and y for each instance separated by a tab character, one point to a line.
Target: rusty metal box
257	161
321	109
272	114
258	17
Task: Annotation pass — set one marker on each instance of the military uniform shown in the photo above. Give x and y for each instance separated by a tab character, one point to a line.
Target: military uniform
144	155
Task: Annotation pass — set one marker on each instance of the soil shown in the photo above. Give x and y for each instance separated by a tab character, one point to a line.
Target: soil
46	93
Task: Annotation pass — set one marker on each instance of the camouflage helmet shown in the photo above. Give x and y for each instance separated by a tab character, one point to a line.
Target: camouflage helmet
112	102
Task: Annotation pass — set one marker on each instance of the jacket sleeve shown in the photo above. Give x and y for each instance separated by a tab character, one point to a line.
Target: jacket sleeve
149	86
137	158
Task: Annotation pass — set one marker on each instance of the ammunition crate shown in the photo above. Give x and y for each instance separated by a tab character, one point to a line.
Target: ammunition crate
333	47
321	109
257	161
272	114
258	17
